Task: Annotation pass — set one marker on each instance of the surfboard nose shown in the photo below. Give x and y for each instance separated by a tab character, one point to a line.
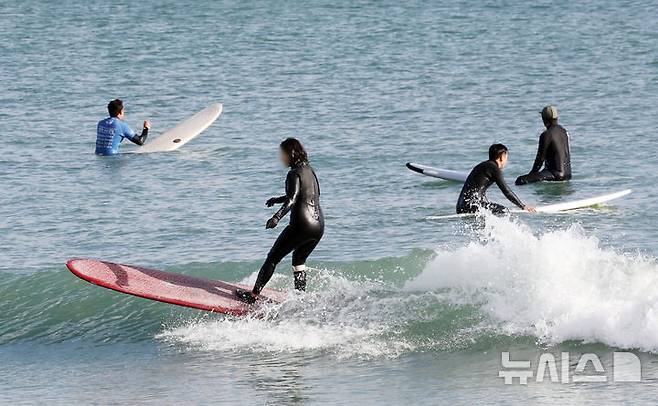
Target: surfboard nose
413	168
70	264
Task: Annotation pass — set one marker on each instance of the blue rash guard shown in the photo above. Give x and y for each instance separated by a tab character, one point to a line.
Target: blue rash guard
109	134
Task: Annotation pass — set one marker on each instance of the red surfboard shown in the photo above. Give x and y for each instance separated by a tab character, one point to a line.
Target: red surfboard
182	290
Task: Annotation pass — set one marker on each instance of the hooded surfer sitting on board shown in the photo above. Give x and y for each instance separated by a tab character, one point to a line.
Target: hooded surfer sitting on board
302	235
553	152
112	130
473	196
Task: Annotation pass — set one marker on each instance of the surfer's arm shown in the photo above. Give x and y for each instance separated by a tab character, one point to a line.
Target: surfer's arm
275	200
134	138
509	194
292	193
141	138
541	153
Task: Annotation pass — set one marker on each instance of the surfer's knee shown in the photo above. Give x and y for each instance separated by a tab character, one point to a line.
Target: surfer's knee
274	257
528	178
521	180
498	209
302	252
467	208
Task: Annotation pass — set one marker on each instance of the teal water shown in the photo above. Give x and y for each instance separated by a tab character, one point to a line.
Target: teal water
400	309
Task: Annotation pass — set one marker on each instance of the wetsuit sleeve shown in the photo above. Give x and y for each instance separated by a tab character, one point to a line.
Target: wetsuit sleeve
293	185
128	133
541	153
511	196
141	138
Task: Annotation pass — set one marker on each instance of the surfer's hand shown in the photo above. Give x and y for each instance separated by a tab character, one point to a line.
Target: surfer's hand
271	223
530	209
270	202
147	124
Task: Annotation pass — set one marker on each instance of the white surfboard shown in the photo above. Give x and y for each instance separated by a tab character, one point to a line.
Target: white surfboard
445	174
183	132
554	208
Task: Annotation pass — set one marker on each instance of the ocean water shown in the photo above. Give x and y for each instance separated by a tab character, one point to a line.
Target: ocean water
399	309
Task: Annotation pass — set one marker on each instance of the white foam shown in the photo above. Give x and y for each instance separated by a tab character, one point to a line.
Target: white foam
557	286
340	318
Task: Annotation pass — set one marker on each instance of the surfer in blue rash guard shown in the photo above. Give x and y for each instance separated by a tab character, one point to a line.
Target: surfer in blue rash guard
111	131
473	196
553	152
302	235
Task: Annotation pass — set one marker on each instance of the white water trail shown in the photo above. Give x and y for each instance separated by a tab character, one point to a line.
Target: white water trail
339	318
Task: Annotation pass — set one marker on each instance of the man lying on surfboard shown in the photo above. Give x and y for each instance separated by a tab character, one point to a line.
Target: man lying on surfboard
112	130
553	152
473	196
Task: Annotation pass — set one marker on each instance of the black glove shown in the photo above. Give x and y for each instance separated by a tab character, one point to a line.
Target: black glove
271	223
271	201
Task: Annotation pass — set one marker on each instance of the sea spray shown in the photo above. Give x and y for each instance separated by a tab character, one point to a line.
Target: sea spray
557	285
341	317
506	282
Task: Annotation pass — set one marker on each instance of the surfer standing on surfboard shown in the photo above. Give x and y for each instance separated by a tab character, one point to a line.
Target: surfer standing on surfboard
553	152
302	235
112	130
473	196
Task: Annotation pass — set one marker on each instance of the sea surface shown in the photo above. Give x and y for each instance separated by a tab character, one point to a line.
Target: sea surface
400	310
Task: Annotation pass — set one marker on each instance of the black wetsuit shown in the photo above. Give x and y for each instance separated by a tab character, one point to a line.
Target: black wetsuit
555	152
473	196
302	235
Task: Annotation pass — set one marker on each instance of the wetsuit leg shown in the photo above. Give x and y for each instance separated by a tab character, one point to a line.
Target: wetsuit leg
464	207
284	244
495	208
467	209
545	175
475	208
299	256
302	252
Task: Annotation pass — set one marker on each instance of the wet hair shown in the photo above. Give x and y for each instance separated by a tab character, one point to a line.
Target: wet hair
114	107
295	150
496	151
